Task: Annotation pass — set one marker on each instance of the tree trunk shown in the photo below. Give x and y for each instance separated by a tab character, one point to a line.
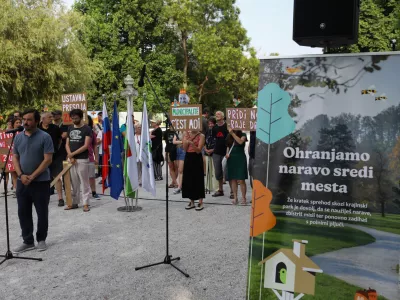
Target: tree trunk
383	208
202	88
186	59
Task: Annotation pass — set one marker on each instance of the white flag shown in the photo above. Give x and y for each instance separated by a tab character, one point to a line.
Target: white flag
148	181
131	155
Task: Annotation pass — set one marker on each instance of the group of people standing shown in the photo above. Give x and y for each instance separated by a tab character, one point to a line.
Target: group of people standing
197	159
38	155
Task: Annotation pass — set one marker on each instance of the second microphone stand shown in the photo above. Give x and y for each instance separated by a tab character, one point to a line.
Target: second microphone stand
168	258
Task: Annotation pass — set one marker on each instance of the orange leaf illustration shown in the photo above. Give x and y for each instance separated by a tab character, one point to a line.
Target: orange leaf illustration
262	218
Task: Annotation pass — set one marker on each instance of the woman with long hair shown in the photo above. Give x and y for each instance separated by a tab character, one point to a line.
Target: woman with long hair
237	163
193	171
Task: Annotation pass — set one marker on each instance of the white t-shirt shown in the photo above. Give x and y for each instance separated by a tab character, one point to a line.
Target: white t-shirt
100	137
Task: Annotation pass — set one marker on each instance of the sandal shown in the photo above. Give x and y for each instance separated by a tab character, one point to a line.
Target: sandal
171	186
234	202
231	196
218	194
86	208
190	206
74	206
243	202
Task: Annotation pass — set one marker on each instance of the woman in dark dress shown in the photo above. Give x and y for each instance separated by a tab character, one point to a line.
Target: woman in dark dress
193	171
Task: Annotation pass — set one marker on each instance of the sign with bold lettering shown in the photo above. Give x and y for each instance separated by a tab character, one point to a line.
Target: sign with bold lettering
73	101
325	216
186	117
244	119
5	143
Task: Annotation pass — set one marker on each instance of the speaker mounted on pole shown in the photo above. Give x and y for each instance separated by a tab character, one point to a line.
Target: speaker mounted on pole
326	23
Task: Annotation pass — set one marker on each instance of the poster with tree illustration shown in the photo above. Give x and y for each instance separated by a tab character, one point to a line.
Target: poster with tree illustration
325	220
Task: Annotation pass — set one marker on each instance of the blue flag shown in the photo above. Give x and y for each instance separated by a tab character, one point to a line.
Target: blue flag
117	168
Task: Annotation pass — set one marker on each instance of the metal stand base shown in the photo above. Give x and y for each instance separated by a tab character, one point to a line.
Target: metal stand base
9	256
129	208
167	261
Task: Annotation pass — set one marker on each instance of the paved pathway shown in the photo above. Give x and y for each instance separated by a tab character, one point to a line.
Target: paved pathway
354	265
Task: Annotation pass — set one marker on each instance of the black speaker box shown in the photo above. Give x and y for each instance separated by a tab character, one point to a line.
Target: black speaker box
326	23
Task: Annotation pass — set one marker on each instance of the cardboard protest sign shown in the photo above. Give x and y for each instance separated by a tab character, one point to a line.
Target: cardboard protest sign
186	117
244	119
5	143
326	183
73	101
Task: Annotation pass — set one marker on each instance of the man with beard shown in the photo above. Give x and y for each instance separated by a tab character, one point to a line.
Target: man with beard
78	142
33	152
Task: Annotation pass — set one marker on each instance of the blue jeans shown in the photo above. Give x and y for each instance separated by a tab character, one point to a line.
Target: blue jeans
38	194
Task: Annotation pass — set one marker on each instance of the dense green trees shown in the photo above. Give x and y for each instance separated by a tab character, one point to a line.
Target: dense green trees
40	56
199	45
379	24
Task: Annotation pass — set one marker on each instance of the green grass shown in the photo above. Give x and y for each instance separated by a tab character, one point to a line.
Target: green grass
389	223
320	239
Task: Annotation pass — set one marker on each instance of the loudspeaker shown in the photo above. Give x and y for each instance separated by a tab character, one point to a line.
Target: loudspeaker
326	23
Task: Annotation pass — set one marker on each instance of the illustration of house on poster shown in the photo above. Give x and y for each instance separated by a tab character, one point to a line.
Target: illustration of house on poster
290	270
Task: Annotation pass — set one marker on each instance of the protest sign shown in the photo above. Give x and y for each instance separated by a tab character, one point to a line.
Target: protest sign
244	119
186	117
73	101
5	143
326	184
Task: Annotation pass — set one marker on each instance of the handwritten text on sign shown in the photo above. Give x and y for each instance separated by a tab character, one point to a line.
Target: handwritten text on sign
5	142
244	119
186	117
73	101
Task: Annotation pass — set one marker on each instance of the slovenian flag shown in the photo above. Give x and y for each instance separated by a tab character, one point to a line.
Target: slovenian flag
130	167
106	142
116	173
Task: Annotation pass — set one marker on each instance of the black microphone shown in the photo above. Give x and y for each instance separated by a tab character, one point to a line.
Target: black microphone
18	129
142	74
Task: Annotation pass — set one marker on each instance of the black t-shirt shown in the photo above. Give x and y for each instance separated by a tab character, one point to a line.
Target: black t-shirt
55	134
77	138
169	138
220	133
157	141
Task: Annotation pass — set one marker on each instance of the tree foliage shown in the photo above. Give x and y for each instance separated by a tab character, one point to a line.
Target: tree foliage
379	24
199	45
41	57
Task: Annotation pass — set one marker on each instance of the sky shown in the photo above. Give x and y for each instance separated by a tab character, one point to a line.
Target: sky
269	25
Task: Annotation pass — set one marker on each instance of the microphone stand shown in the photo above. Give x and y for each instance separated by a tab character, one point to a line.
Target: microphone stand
9	254
168	258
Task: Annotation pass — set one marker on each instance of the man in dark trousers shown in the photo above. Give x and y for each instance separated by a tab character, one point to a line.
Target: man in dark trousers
55	133
33	151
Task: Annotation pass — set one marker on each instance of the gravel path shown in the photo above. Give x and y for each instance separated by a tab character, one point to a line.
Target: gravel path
93	255
354	265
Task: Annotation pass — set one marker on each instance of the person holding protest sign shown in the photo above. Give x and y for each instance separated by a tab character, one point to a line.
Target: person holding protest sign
32	155
193	171
237	163
78	142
